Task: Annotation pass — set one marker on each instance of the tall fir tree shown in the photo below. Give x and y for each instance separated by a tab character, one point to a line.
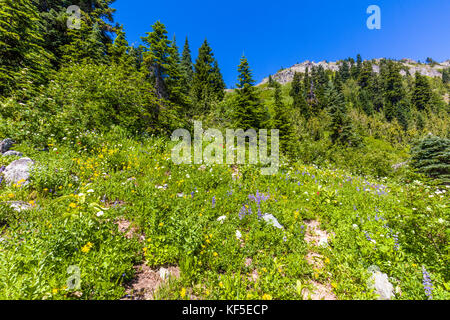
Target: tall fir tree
393	91
23	58
422	93
249	112
157	57
281	121
186	64
344	71
298	96
207	83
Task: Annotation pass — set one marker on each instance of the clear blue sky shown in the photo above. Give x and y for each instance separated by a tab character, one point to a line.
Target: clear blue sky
280	33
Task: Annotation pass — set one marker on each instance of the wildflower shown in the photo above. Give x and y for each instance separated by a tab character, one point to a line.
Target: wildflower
11	195
100	213
213	201
183	293
428	286
266	296
161	224
73	205
87	247
55	291
215	254
221	284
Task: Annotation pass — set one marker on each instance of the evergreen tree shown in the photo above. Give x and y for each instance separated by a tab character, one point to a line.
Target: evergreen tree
119	49
22	56
356	69
281	121
431	156
298	95
422	92
344	71
186	64
365	75
341	127
446	75
394	92
207	83
157	57
249	111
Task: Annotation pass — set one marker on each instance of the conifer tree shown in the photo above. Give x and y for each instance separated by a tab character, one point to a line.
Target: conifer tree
207	83
446	75
422	92
394	92
344	71
281	121
298	95
157	57
186	63
22	56
341	127
431	156
249	110
119	49
365	75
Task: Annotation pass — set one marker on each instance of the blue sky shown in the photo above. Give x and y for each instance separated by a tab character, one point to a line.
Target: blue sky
280	33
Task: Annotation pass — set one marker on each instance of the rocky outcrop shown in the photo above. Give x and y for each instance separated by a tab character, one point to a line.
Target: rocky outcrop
12	153
5	145
286	75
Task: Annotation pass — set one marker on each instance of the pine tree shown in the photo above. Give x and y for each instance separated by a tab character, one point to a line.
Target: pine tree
394	92
356	69
157	57
446	76
186	64
118	51
365	75
431	156
207	83
422	92
281	121
344	71
249	111
298	95
22	56
341	127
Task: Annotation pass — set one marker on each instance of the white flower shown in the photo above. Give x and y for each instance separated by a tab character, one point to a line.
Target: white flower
440	220
55	149
90	191
238	234
100	213
355	226
187	175
221	219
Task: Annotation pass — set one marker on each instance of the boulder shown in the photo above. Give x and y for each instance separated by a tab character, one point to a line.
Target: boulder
380	283
270	219
18	170
12	153
5	145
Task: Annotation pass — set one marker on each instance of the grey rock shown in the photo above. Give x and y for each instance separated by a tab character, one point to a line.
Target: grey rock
5	145
380	283
18	170
270	219
19	206
12	153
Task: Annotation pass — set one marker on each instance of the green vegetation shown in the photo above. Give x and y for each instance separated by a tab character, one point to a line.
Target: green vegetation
364	157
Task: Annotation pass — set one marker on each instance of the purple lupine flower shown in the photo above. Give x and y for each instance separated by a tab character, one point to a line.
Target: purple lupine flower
354	208
213	201
428	286
2	168
192	194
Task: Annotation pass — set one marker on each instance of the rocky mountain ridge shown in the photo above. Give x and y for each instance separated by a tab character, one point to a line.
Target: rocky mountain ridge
286	75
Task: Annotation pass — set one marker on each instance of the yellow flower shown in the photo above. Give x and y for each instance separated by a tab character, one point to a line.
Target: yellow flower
221	284
73	205
215	254
183	293
266	296
55	291
87	247
11	195
161	224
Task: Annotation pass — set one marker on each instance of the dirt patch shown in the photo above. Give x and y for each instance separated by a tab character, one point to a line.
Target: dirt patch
315	236
147	281
128	229
320	292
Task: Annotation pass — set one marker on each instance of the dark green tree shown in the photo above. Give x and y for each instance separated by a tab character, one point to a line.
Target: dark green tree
23	58
186	64
281	121
393	90
298	95
422	93
431	156
249	112
207	83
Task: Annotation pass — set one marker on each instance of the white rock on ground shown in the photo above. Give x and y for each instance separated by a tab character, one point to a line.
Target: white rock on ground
19	206
270	219
380	283
164	273
18	170
12	153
